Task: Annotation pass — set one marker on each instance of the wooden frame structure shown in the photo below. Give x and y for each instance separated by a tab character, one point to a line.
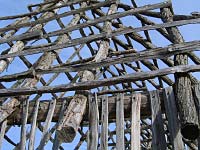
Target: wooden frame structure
90	71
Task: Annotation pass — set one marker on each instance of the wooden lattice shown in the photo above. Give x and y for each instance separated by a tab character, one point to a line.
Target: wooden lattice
93	74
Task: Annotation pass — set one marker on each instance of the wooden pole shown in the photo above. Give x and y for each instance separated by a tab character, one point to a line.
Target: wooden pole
186	106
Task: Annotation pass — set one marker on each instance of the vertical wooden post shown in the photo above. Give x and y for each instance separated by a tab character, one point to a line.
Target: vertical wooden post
25	106
120	122
104	124
158	135
172	116
47	125
184	97
93	123
2	132
33	125
135	121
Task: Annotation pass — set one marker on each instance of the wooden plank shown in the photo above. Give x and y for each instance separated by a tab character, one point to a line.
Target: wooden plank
57	142
135	121
104	124
139	56
120	122
173	121
158	134
33	124
2	132
43	141
25	106
93	123
102	35
97	83
72	12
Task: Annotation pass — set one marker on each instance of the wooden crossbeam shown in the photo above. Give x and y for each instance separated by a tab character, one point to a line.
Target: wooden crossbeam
160	53
97	83
15	118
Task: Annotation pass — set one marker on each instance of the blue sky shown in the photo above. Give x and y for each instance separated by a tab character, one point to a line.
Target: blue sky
190	32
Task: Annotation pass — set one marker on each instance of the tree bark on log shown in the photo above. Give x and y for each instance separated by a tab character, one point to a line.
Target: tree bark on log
77	107
187	111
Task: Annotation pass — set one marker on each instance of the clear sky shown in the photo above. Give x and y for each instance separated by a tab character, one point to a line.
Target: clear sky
190	32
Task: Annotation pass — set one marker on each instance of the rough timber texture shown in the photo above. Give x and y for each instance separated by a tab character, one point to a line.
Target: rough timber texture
104	47
72	119
184	97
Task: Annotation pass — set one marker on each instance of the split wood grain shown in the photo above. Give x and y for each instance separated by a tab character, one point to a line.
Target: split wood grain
158	134
104	123
173	120
135	121
120	122
93	122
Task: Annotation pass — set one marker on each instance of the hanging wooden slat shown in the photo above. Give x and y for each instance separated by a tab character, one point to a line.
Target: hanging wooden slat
120	122
57	141
25	106
104	124
47	124
93	123
2	132
34	124
158	141
135	121
172	116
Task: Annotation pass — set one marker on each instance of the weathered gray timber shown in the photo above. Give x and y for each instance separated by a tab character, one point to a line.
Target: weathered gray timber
158	141
99	75
120	122
184	97
135	121
71	121
96	83
93	123
173	121
104	123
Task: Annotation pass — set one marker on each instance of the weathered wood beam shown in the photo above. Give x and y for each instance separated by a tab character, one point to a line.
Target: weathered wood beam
42	10
93	122
158	137
25	37
85	85
99	36
71	120
72	12
184	97
15	118
43	62
160	53
172	117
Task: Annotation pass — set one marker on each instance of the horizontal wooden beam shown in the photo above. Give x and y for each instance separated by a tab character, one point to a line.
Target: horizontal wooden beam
92	6
98	83
102	35
43	10
15	118
157	53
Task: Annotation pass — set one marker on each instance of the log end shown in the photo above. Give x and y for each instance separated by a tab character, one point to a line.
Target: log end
190	131
66	134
